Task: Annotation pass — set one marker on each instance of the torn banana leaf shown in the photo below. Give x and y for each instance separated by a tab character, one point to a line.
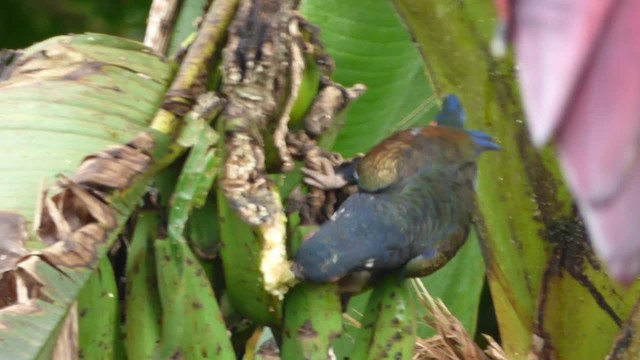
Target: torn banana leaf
61	100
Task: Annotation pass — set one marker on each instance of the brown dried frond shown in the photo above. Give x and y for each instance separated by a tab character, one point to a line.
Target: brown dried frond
452	341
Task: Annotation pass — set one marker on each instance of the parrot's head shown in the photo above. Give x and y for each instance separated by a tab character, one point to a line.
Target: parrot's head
452	115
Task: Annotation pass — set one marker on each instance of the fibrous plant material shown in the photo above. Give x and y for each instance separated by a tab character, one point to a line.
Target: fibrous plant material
452	341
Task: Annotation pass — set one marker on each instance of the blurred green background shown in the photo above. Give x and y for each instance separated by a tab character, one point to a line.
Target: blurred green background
23	22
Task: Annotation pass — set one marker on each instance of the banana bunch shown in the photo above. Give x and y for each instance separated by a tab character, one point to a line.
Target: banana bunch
203	283
163	270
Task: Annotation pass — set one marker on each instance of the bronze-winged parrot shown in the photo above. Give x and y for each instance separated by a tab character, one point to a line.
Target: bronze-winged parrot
413	209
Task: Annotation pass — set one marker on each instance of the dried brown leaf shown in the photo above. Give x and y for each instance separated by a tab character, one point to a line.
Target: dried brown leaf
20	286
67	344
452	341
331	100
78	217
13	235
116	167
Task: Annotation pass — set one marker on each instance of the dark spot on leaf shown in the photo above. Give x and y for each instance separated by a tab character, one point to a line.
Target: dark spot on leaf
397	336
334	335
86	69
269	349
307	331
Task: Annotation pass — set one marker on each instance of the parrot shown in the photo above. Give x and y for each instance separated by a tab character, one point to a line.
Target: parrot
578	67
413	208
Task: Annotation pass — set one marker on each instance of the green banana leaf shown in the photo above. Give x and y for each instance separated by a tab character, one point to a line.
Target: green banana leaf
105	89
61	100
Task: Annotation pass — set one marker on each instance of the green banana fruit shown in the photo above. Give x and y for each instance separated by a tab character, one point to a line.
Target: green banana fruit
172	290
204	234
142	302
192	324
205	334
389	326
99	316
240	253
312	315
